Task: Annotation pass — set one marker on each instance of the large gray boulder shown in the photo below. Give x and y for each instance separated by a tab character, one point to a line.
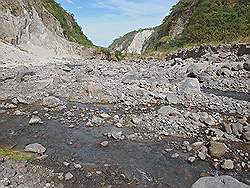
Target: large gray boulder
219	182
189	85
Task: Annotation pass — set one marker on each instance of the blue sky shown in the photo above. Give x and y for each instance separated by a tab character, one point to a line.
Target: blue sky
104	20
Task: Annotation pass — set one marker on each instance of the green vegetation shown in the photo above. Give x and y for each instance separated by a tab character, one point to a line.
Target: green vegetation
110	55
29	8
183	5
71	29
119	55
218	21
16	155
211	21
13	7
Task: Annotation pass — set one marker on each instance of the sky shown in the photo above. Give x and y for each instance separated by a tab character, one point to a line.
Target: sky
105	20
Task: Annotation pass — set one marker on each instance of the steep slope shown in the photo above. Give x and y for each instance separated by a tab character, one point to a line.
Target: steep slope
132	42
72	31
202	21
173	25
41	26
193	22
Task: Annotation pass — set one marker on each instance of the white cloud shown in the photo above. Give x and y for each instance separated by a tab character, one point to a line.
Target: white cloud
69	1
135	8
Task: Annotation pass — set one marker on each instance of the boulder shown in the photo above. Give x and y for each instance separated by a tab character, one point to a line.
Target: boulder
177	61
35	148
68	176
228	164
195	69
227	128
197	145
117	135
51	102
246	66
168	111
189	85
136	120
207	119
238	67
237	129
246	135
104	143
243	49
202	156
224	72
218	182
217	149
104	116
23	71
96	120
172	98
191	159
35	120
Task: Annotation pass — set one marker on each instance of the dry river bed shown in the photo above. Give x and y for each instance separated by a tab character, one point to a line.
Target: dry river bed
82	155
179	122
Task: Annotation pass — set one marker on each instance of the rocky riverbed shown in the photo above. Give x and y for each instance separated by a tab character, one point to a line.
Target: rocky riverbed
155	123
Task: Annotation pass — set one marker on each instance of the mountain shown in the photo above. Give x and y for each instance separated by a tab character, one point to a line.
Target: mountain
194	22
41	26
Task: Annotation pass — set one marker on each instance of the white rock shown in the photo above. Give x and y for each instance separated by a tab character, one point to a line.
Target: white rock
77	166
35	120
219	182
136	120
104	143
66	163
172	98
228	164
189	85
105	116
202	156
68	176
35	148
191	159
117	135
175	155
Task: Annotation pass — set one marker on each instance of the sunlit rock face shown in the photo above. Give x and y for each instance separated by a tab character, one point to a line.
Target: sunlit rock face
137	44
29	25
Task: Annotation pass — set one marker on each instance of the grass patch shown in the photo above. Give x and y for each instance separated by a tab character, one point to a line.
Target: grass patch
16	155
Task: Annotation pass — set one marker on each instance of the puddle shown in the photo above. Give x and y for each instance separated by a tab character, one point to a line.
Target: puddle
242	96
